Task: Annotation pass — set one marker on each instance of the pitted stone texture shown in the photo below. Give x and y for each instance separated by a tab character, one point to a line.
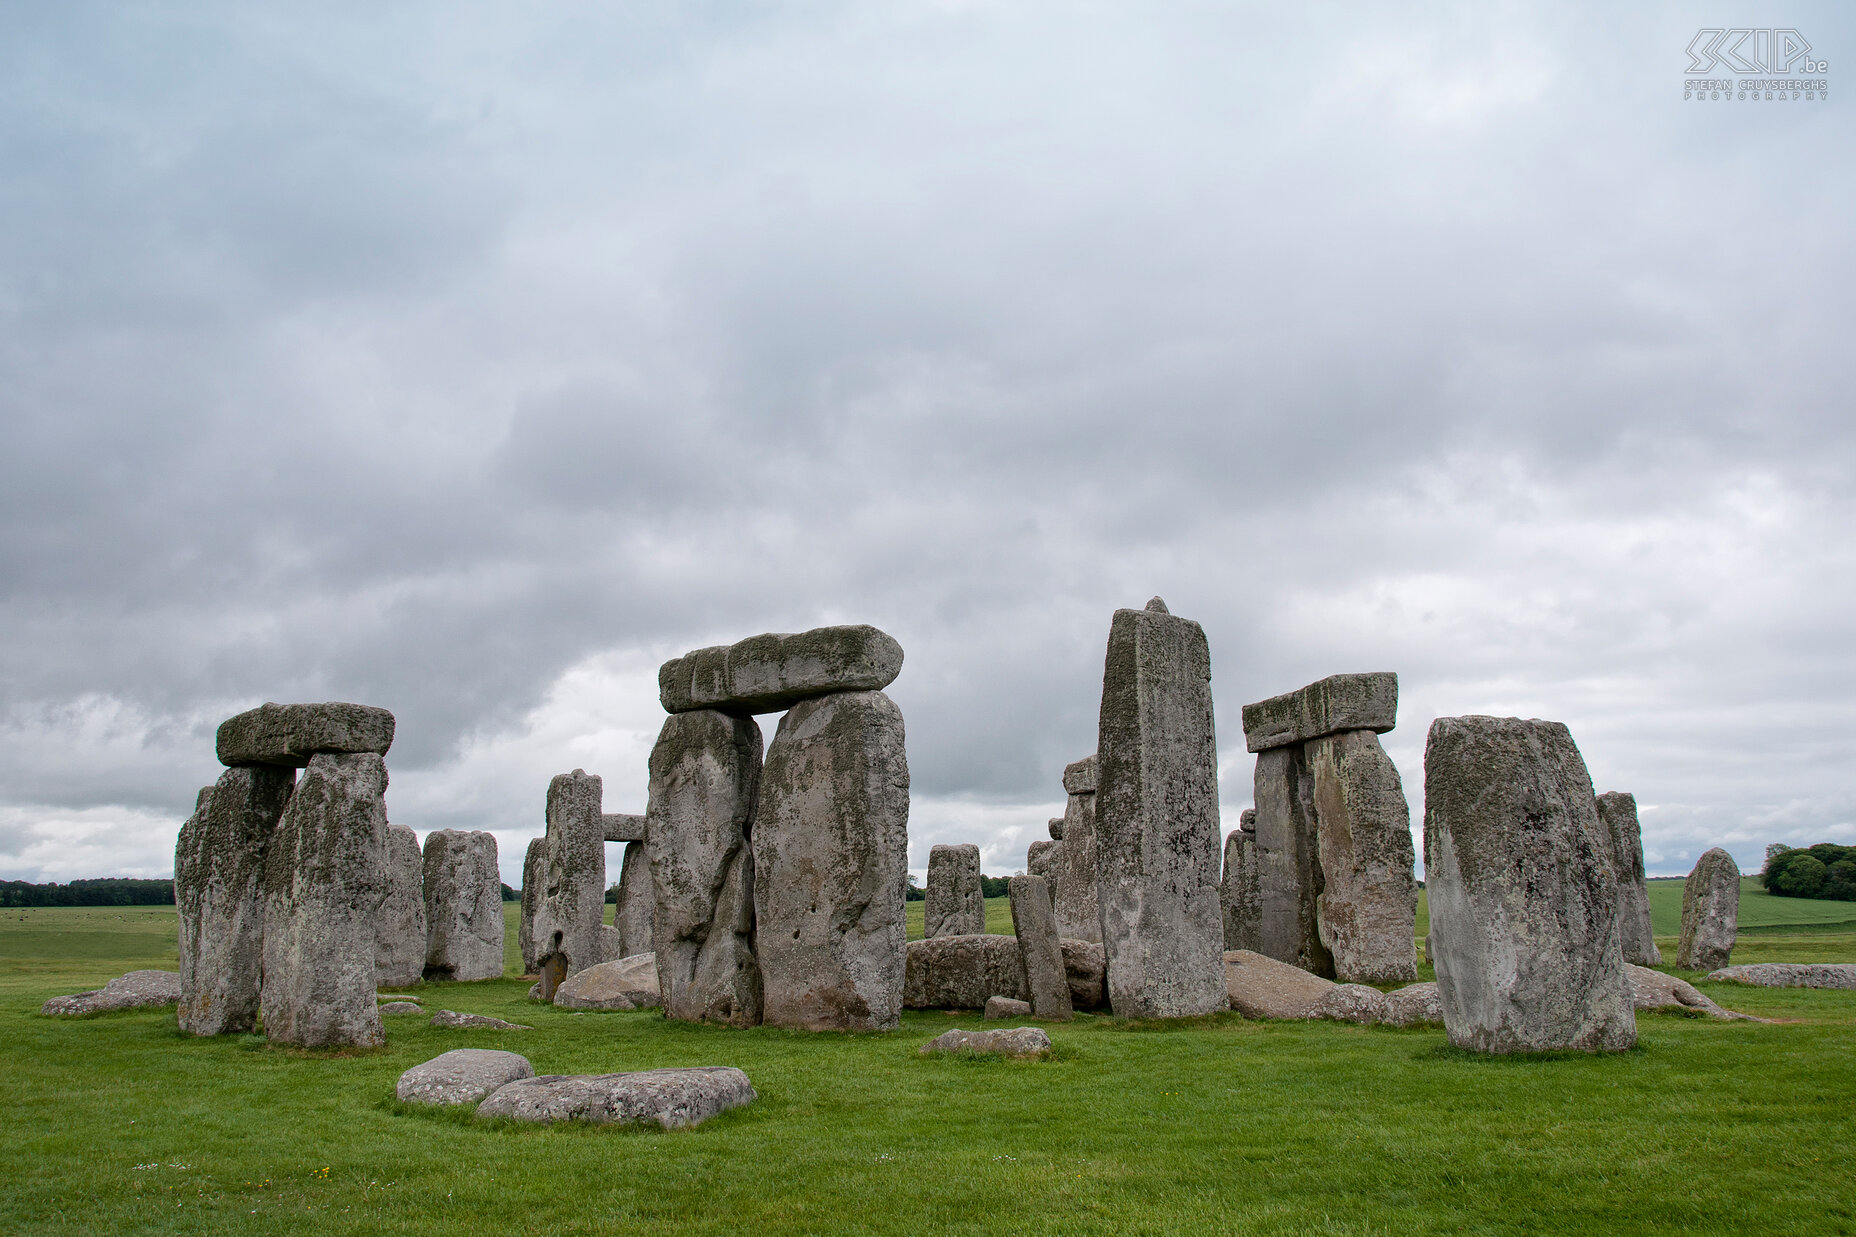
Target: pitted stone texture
1523	894
1289	876
1034	923
1617	810
625	983
1655	990
325	876
1041	857
704	781
1001	1007
400	935
1260	987
954	905
1790	974
1080	777
219	862
621	827
1055	827
1238	893
1016	1042
136	990
1336	703
1413	1005
534	882
570	913
831	861
289	734
668	1098
636	909
1072	870
764	674
1085	968
463	906
961	972
1352	1003
452	1019
461	1076
1368	904
1157	819
1710	913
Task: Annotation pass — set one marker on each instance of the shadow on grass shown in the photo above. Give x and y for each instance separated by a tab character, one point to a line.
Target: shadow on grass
1554	1056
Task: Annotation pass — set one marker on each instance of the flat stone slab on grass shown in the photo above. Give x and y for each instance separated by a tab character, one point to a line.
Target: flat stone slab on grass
462	1076
451	1018
1016	1042
765	674
628	983
1790	974
1655	990
1260	987
669	1098
999	1007
136	990
1414	1005
289	734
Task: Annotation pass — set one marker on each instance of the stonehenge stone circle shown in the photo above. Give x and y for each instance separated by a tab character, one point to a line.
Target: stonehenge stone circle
135	990
1523	890
1237	890
954	905
1157	818
636	910
1337	703
325	876
570	912
534	885
463	906
1368	904
764	674
961	972
704	782
668	1098
1072	871
461	1076
400	935
1710	912
1034	923
219	863
623	983
1618	811
453	1020
289	734
830	848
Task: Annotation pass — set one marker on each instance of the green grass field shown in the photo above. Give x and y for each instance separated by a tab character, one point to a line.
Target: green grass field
119	1124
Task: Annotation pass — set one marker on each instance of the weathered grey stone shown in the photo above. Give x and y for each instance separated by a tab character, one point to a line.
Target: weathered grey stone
463	906
954	905
570	913
620	827
624	983
389	1008
1368	904
636	909
136	990
289	734
1413	1005
1080	777
764	674
534	886
1336	703
1238	893
219	896
1262	987
1086	968
1041	857
1523	895
1055	827
1072	871
325	876
998	1007
400	934
669	1098
1034	923
1710	913
831	860
1157	819
461	1076
1790	974
1655	990
961	972
1352	1003
1016	1042
1617	810
1289	876
450	1018
705	779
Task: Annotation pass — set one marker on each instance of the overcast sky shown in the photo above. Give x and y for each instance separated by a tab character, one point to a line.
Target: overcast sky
472	363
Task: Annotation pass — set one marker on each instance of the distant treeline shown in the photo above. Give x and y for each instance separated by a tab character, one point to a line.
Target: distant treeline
1822	871
990	887
102	891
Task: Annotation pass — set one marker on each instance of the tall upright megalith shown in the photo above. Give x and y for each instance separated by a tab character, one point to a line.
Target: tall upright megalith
219	893
1073	864
400	930
1523	891
463	906
1237	889
1710	912
1034	923
1618	812
534	886
1157	819
571	911
704	785
635	912
954	905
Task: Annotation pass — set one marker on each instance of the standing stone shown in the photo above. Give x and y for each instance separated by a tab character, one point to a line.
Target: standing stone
1523	896
831	863
636	909
1041	857
1367	910
705	779
1073	867
1034	922
570	916
534	878
400	932
1710	912
1618	810
1237	892
325	876
1157	819
219	892
1289	876
463	906
954	905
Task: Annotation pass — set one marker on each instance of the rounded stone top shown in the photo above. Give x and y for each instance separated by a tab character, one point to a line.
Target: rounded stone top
1156	605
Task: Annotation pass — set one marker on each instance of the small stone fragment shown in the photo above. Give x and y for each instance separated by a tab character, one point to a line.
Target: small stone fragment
1016	1042
463	906
1336	703
451	1018
1618	811
1710	913
1035	925
668	1098
624	983
1352	1003
764	674
998	1007
461	1076
1790	974
289	734
954	905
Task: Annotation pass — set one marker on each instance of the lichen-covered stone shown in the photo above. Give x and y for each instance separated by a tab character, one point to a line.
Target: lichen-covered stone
1072	870
1368	904
135	990
1237	889
1523	892
400	935
570	913
463	906
534	886
289	734
1157	818
1413	1005
622	827
764	674
1710	913
954	905
635	912
1336	703
219	861
1035	926
1352	1003
1262	987
1081	777
1289	876
1790	974
623	983
1617	810
461	1076
1655	990
704	783
1041	857
668	1098
961	972
453	1020
1016	1042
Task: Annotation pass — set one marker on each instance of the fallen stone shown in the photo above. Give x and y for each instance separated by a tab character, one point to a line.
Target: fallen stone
1368	904
1655	990
831	863
400	935
1035	925
463	906
1016	1042
621	827
1261	987
764	674
462	1076
1072	869
399	996
1523	891
1238	889
1336	703
954	905
400	1007
570	913
668	1098
451	1018
1790	974
1617	810
1352	1003
1289	878
636	909
136	990
1710	913
998	1007
534	878
624	983
1157	818
289	734
1413	1005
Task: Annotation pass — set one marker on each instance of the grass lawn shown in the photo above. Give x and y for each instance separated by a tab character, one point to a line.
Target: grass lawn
118	1124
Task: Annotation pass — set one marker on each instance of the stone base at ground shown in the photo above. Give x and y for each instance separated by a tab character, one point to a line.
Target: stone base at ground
461	1076
451	1018
136	990
668	1098
1017	1042
1790	974
629	983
